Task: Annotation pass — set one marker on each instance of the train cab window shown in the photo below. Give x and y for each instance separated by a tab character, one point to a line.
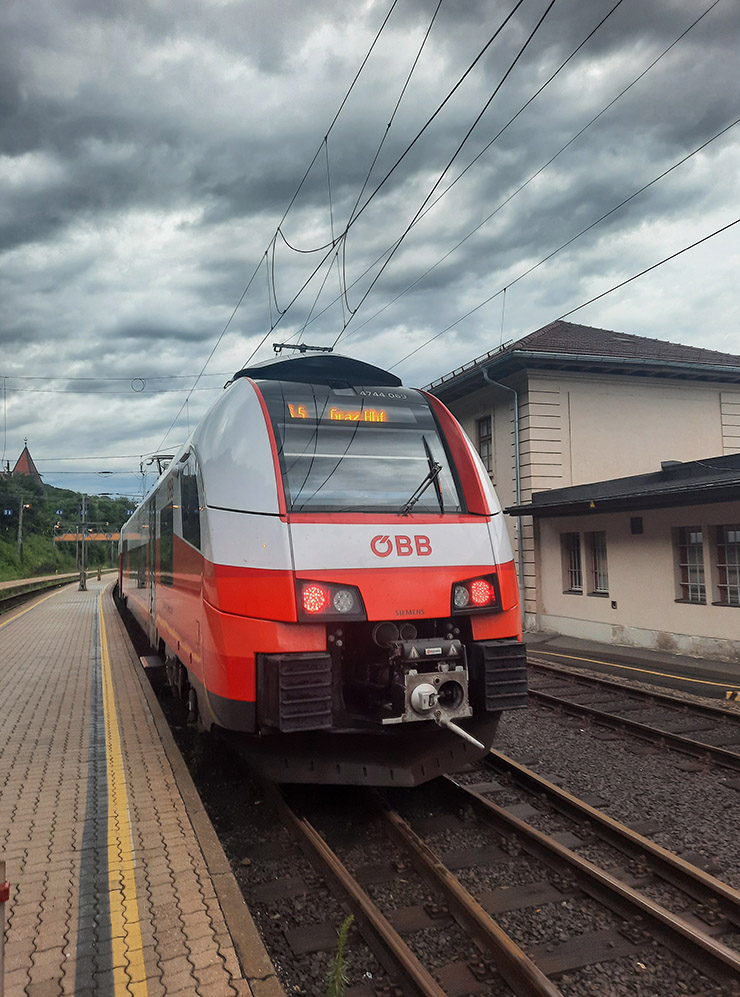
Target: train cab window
359	450
190	501
166	545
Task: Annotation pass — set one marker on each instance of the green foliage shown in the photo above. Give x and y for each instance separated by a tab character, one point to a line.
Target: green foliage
39	556
337	980
43	508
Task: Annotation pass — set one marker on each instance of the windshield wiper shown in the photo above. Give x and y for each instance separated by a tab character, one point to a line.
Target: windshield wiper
431	476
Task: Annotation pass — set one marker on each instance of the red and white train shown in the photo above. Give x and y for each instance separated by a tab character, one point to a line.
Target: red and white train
325	570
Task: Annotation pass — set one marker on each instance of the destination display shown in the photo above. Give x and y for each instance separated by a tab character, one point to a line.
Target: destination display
341	415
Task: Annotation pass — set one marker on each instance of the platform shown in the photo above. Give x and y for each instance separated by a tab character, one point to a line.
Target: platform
118	884
699	676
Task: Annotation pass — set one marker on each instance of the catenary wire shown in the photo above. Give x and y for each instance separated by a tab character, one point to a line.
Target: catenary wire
570	241
648	269
578	307
285	214
391	171
563	148
399	242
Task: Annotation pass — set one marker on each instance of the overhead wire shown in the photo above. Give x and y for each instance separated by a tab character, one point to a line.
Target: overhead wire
437	111
583	304
506	75
408	148
570	241
282	220
382	143
339	111
667	259
518	190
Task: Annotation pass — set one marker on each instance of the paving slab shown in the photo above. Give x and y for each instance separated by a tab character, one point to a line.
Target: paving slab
118	884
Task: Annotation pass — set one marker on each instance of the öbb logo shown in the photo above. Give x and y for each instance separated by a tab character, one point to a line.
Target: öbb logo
383	546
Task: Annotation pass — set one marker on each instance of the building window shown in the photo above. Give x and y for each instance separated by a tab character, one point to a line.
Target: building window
484	435
728	564
599	575
572	572
690	563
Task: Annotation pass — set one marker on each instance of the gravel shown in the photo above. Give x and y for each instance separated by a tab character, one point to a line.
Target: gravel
693	811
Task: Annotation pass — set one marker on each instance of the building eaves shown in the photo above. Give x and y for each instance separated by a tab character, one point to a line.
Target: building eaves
566	347
716	479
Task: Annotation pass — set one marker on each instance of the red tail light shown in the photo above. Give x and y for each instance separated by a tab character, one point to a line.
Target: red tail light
315	598
482	592
476	594
327	601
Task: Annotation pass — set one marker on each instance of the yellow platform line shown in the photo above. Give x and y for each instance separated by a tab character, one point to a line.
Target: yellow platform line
632	668
129	973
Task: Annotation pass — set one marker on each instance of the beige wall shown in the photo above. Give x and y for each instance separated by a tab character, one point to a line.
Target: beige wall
641	607
577	428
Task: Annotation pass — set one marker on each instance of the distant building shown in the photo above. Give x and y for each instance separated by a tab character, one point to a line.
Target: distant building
25	467
571	405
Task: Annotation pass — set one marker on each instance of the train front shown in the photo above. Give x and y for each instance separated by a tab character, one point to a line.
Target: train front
403	573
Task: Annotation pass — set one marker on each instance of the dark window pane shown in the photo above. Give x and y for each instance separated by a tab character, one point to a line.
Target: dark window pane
343	451
190	505
165	545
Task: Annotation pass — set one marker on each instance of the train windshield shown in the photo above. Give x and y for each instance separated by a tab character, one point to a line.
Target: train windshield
359	450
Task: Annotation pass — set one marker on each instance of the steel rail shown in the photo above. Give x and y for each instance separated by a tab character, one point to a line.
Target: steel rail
384	940
718	961
693	881
708	752
522	975
660	698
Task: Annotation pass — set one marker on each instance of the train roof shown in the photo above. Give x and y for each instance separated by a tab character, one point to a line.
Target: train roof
323	368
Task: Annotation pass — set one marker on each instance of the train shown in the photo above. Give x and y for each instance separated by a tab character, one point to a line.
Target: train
325	575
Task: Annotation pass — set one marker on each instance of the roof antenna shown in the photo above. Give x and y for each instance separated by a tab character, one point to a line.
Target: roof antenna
301	347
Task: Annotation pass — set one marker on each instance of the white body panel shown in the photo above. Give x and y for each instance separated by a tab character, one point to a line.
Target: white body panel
318	546
500	539
493	503
233	446
242	539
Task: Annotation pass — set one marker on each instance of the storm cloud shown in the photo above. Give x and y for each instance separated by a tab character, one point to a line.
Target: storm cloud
150	152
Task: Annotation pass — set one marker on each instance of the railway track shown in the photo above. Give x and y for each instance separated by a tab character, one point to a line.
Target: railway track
419	868
705	732
492	883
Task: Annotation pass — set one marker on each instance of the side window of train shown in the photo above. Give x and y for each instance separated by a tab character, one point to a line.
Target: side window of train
190	501
166	545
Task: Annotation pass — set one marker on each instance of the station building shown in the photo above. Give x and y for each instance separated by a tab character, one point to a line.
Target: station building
590	435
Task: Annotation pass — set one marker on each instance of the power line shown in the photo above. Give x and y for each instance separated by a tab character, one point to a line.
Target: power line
519	189
648	269
285	214
413	221
578	307
359	212
113	394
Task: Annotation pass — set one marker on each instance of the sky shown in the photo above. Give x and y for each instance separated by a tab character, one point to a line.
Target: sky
183	185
